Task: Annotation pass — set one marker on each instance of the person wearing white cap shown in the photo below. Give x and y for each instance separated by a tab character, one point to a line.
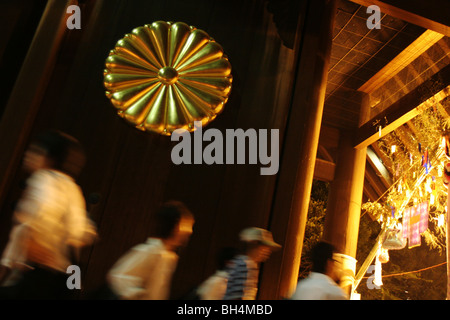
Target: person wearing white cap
244	268
321	282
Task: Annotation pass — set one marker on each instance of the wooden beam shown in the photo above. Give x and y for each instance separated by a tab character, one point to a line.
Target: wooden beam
323	152
408	55
430	14
425	95
324	170
369	192
375	181
329	137
388	164
442	110
376	163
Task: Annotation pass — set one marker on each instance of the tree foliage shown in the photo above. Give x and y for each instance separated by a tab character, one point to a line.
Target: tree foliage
314	225
418	164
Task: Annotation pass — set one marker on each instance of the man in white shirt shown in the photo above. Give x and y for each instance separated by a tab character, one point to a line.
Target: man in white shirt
145	272
50	221
321	282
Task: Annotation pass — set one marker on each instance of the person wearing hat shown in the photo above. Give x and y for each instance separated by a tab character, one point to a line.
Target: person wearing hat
244	268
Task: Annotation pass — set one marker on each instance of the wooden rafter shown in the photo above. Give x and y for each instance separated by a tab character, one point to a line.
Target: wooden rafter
431	14
377	165
384	160
375	182
442	110
370	192
425	95
324	170
324	154
412	52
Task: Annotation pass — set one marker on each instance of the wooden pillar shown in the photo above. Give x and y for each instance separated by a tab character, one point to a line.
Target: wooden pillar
24	102
298	153
344	203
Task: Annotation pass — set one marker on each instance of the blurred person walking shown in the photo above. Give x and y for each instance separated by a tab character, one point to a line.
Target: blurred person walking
49	222
214	287
244	268
321	282
145	271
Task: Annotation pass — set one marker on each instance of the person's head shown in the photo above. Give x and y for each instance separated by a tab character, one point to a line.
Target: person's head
322	259
258	243
173	224
55	150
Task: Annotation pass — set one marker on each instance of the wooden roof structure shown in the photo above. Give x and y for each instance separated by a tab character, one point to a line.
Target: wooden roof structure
399	69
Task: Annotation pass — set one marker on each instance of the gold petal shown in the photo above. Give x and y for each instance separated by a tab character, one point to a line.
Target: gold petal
210	99
176	117
117	64
196	40
196	108
123	99
156	118
158	32
211	51
197	101
120	81
178	34
145	41
130	46
215	68
218	86
142	104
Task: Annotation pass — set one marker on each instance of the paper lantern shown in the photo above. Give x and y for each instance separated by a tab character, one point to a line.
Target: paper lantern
164	76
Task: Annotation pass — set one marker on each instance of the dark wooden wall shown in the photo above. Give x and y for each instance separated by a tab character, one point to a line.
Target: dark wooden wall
132	170
18	20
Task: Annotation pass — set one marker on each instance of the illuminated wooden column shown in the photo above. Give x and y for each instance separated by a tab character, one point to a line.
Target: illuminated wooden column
279	274
344	202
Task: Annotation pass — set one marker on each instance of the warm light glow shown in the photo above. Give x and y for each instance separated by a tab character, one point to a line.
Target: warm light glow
440	220
378	270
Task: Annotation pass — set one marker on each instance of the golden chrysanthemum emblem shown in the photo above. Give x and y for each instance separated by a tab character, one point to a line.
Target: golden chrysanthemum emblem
164	76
